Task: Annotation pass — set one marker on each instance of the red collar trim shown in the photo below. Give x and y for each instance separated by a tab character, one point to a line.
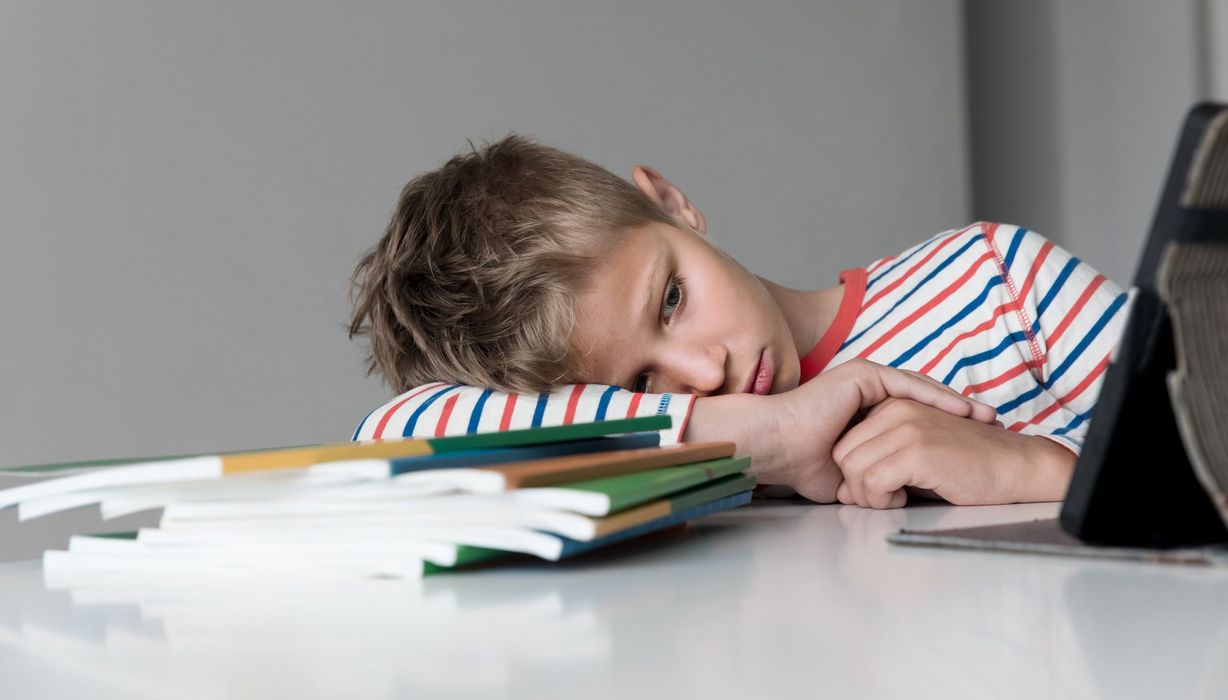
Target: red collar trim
816	360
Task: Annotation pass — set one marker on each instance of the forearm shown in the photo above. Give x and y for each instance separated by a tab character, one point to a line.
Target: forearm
1044	474
789	436
787	446
752	421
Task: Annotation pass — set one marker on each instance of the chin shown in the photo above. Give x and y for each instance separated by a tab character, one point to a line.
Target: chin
791	382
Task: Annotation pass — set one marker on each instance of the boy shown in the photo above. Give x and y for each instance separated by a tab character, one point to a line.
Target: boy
519	268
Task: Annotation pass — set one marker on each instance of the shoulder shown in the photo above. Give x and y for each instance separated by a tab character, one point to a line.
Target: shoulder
1018	249
1014	249
934	251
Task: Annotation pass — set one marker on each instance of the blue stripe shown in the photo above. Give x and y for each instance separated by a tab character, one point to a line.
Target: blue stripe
912	291
969	308
540	409
663	405
1076	442
604	404
1020	399
413	418
1014	248
883	273
476	416
364	422
968	360
1052	293
1071	358
1074	423
1087	339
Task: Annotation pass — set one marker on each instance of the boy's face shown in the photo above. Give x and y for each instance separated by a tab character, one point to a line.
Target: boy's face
666	311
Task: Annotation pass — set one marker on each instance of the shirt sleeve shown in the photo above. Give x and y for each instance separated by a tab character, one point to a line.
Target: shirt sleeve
1072	317
442	410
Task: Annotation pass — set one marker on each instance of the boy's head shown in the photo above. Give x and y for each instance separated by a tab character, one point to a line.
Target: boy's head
518	267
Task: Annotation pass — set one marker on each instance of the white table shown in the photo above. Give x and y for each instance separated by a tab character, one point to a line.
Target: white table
778	599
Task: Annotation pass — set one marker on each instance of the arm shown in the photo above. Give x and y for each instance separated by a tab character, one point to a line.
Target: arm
902	446
440	409
789	436
1071	317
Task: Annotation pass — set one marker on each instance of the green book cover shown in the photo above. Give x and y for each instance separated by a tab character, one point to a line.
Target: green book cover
633	489
689	500
554	433
718	488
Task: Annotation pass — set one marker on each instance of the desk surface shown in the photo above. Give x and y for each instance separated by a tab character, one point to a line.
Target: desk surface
780	597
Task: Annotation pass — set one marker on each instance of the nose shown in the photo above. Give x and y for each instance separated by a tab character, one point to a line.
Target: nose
698	370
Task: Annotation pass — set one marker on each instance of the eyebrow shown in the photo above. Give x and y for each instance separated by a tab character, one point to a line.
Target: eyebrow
652	302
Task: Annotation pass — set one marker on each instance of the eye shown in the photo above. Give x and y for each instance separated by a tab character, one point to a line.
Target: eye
673	296
641	384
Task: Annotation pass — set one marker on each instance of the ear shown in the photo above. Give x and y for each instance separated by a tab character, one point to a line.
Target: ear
667	196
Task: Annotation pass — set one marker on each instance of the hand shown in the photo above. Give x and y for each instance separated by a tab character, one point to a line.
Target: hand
815	414
906	444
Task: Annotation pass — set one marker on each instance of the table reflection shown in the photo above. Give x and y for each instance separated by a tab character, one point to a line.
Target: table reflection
779	598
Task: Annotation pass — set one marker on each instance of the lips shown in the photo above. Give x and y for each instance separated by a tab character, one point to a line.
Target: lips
760	381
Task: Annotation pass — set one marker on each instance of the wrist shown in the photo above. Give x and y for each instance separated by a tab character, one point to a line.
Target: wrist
751	421
1044	472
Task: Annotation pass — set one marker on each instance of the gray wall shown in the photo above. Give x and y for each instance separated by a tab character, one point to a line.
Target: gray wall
1074	112
185	187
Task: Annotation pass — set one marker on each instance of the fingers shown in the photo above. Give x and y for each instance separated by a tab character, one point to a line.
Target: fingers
982	412
898	499
844	495
873	472
861	432
819	484
877	382
883	485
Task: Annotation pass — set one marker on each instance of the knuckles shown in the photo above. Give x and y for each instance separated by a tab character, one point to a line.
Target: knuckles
877	480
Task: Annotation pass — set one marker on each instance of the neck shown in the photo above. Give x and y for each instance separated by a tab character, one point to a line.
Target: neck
809	314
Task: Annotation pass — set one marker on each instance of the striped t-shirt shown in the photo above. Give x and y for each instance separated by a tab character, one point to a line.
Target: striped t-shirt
994	311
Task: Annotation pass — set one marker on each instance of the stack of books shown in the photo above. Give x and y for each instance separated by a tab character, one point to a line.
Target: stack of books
389	508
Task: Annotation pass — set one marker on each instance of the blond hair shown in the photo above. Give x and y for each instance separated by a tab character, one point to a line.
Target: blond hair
473	281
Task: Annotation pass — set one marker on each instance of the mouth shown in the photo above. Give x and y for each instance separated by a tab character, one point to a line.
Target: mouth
760	381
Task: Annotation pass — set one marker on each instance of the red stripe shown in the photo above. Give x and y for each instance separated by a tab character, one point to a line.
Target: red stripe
383	421
1027	287
998	380
874	268
989	232
929	306
1074	310
1024	321
1036	265
686	418
635	404
442	425
821	354
507	412
571	403
929	256
962	336
1091	377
